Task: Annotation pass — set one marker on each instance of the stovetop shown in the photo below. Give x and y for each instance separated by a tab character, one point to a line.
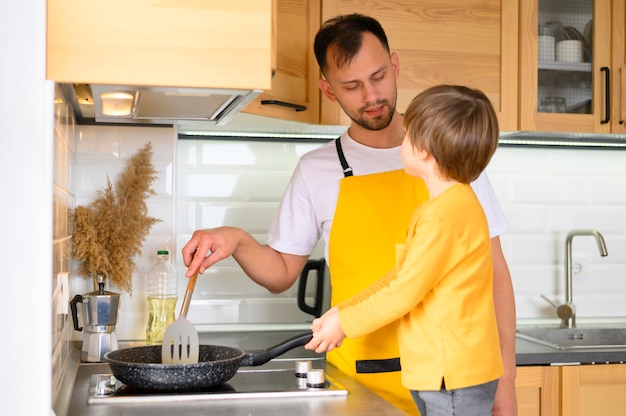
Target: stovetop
247	383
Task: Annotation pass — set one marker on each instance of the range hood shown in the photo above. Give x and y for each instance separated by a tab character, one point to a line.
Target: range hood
125	104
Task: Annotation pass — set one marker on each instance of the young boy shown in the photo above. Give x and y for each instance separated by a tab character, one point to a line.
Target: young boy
440	289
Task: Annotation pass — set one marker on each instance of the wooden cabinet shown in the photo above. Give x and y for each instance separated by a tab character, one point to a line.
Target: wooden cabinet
618	65
294	94
537	391
601	73
594	390
470	42
190	43
571	390
460	41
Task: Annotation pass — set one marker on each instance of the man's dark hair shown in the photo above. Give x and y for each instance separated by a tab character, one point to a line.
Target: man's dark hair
345	34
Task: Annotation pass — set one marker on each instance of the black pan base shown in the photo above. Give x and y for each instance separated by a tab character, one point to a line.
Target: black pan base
141	368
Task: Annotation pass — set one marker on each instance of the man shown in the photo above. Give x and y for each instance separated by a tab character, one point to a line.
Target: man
355	193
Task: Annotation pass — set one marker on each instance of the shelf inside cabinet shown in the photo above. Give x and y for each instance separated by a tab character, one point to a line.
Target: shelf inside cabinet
565	66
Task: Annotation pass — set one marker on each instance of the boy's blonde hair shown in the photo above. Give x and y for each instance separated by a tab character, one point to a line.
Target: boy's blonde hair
457	125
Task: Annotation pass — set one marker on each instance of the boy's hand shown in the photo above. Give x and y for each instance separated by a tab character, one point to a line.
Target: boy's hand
327	332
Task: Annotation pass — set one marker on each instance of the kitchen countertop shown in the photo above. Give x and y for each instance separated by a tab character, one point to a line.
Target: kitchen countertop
359	401
531	353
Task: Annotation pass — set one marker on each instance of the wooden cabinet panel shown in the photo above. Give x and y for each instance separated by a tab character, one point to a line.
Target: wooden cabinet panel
469	42
537	391
296	71
184	43
463	42
594	390
618	63
577	390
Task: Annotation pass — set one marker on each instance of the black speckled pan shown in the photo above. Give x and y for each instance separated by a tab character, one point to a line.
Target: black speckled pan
141	367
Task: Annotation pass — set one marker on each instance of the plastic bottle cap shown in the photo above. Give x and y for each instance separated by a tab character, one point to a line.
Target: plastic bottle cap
162	252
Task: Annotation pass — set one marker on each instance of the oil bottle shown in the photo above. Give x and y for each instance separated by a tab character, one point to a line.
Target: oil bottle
162	298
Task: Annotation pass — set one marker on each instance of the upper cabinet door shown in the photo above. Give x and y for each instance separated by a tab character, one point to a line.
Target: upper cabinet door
181	43
468	42
572	54
618	65
294	94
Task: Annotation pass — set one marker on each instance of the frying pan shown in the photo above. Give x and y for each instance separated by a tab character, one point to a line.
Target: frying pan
141	367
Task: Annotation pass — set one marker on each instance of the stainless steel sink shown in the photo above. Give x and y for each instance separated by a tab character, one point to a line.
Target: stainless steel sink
575	338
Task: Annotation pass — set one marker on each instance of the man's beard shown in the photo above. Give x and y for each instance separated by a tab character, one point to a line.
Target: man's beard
376	123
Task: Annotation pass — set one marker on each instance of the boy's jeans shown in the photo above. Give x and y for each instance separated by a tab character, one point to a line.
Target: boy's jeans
469	401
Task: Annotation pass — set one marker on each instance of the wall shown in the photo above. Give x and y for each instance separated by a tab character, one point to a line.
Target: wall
240	183
26	159
63	201
214	183
544	193
103	152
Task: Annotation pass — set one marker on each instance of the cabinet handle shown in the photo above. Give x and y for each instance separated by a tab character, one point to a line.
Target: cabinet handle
296	107
620	112
607	95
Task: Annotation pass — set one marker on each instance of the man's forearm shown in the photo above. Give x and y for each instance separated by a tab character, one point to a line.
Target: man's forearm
267	267
504	299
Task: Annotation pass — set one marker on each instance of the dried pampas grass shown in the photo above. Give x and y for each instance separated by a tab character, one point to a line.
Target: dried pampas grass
109	232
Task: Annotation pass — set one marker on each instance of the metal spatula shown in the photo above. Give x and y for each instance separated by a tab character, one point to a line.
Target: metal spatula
180	342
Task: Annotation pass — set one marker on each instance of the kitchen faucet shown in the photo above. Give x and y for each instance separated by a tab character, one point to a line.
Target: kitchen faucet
567	311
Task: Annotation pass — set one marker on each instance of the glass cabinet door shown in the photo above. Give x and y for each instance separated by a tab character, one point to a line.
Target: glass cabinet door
565	65
565	54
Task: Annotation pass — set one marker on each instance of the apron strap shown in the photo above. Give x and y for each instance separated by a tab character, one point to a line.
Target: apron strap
378	366
347	170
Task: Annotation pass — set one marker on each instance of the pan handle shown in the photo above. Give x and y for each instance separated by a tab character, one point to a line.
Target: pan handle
262	356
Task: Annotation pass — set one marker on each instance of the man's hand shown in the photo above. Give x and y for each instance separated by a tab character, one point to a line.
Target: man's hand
207	247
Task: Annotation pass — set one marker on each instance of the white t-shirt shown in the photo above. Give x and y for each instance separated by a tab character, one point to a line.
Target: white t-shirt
308	206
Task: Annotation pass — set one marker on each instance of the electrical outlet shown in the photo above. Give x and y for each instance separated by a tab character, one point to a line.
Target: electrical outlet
579	267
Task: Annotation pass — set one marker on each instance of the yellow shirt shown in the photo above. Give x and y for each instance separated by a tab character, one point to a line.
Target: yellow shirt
441	292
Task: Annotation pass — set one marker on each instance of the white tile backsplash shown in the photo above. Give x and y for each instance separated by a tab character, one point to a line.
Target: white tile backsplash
208	183
235	183
545	193
62	202
105	151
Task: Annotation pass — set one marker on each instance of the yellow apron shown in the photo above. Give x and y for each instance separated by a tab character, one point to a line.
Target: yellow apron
371	216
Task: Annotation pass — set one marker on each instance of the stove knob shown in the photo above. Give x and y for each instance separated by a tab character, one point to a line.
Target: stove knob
315	379
301	383
302	368
105	385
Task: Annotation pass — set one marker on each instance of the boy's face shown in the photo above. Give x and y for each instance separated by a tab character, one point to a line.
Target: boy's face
366	87
416	162
409	157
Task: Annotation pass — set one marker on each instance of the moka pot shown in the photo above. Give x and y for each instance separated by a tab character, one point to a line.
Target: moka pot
99	314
